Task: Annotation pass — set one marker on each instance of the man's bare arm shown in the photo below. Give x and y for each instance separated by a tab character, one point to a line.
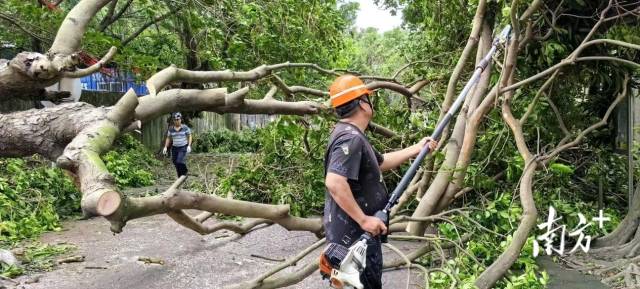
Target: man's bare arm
341	193
393	160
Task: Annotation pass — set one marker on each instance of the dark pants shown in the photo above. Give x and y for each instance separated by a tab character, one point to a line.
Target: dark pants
371	278
179	159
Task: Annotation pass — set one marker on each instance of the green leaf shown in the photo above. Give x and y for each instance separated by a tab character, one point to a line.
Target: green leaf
561	169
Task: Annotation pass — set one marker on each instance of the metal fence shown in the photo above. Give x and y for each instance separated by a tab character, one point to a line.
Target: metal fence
154	132
100	98
15	105
252	120
210	121
118	81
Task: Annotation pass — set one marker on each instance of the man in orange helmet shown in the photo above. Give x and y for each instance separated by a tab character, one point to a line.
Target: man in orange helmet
353	175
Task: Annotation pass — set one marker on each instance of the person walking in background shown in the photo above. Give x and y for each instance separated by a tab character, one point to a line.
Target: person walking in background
179	136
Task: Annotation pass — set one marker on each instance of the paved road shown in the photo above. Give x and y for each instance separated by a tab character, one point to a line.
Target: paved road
563	278
191	260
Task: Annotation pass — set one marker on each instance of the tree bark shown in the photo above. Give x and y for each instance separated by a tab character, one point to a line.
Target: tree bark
45	131
27	74
69	36
473	120
495	271
436	192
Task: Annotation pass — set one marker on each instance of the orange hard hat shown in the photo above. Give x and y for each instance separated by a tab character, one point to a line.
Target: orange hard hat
346	88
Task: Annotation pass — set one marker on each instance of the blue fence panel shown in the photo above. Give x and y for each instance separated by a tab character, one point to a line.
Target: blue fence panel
118	82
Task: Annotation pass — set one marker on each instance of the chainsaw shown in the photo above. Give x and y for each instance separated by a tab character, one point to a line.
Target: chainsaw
342	265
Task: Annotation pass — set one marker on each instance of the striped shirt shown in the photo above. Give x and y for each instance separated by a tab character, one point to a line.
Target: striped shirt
179	137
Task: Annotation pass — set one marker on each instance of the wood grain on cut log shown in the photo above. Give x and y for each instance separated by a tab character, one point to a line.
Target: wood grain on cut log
82	157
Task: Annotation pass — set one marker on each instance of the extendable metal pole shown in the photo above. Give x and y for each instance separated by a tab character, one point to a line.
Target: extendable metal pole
437	133
630	135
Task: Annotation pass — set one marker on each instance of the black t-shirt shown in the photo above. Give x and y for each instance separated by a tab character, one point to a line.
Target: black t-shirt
350	155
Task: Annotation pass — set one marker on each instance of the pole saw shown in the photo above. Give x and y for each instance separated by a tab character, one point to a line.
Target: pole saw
343	266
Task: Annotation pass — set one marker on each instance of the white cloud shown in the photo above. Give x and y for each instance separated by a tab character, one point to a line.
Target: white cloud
371	15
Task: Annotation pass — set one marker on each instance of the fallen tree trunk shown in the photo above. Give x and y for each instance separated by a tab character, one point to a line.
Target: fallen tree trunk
45	131
26	75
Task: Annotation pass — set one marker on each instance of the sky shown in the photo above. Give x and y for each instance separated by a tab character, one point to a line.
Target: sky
372	16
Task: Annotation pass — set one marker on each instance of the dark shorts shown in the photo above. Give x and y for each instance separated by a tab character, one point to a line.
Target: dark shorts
371	278
179	155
